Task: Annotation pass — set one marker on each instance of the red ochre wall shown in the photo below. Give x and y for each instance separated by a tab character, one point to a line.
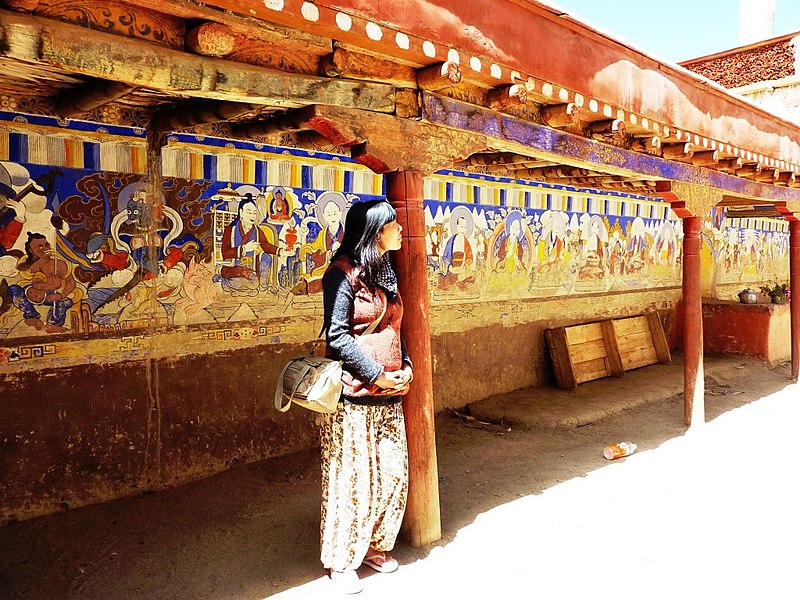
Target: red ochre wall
760	330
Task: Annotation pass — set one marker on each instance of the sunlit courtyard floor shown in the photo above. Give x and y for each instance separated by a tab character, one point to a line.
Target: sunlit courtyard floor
711	513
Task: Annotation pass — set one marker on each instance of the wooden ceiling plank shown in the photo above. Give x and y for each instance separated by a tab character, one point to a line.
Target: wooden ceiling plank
104	56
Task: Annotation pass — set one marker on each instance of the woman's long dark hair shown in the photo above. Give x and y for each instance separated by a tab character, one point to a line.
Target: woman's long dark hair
360	240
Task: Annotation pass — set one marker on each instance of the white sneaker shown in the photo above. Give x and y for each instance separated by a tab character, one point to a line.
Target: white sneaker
346	582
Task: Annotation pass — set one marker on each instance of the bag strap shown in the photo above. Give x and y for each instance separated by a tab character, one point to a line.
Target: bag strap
375	323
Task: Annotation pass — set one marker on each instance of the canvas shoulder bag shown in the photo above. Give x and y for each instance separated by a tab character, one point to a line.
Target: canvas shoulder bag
314	382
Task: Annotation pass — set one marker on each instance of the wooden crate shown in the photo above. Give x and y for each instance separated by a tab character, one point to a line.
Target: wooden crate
583	352
641	341
591	351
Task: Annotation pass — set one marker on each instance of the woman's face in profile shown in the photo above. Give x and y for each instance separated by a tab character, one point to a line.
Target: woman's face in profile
390	237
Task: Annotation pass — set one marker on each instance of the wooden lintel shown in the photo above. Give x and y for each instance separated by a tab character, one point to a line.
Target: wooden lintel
91	96
440	76
505	96
560	115
708	158
211	39
353	65
511	170
515	135
186	117
785	177
80	50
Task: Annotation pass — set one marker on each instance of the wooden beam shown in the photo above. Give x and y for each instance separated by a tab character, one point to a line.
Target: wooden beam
612	131
730	165
507	96
211	39
516	135
648	144
708	158
245	26
93	95
439	77
104	56
495	158
560	115
677	151
406	102
186	117
354	65
21	5
563	172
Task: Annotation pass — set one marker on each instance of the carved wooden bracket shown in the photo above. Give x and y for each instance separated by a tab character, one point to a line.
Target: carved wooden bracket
688	199
384	143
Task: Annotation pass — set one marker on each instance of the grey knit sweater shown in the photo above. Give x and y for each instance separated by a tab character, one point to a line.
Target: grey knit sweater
349	309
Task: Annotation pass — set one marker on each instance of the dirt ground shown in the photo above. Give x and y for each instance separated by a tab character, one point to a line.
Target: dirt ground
252	532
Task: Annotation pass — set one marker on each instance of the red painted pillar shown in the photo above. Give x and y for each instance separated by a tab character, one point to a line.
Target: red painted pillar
422	522
693	384
794	283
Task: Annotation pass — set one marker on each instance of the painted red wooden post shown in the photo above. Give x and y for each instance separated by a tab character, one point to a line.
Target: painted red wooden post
422	522
693	384
794	283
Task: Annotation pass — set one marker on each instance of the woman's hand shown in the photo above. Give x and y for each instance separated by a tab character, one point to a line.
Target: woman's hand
396	381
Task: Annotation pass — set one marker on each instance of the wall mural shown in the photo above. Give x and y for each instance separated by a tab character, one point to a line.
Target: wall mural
556	242
240	233
744	251
83	252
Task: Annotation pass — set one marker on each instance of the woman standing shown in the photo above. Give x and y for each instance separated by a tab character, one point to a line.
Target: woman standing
364	453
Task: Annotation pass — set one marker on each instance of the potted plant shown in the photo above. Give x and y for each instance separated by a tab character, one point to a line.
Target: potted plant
778	293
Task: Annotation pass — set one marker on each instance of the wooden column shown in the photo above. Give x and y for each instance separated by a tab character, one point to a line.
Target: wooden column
794	283
693	384
422	522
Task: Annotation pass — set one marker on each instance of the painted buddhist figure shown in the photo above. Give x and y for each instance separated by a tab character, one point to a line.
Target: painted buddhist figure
49	284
